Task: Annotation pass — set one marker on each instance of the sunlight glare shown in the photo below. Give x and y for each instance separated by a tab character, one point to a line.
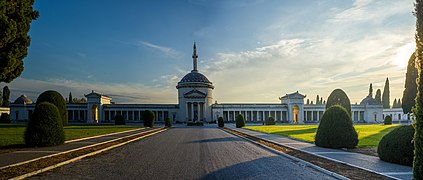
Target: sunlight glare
403	54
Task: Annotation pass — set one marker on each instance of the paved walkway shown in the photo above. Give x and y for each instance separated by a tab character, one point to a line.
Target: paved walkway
26	154
361	160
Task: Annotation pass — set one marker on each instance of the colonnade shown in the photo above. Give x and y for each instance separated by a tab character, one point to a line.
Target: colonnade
255	116
133	115
77	115
196	111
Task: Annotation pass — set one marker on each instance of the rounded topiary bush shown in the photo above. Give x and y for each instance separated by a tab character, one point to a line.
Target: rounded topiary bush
240	121
45	127
387	120
339	97
168	122
270	121
220	122
4	118
56	99
397	146
336	129
148	118
119	120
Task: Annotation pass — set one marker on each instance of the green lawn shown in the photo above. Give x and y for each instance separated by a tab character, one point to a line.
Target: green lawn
369	135
11	135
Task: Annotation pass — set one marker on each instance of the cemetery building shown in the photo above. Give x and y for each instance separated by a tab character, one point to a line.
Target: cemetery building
195	103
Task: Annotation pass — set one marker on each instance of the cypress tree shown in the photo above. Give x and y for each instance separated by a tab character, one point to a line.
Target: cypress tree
70	97
395	104
6	96
15	21
321	100
308	101
378	96
317	99
385	95
418	110
371	90
410	91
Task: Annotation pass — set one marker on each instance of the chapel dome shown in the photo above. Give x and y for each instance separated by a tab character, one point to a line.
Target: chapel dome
369	101
23	99
195	76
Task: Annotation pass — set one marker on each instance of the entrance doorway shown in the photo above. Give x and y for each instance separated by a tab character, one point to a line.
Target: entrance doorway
296	114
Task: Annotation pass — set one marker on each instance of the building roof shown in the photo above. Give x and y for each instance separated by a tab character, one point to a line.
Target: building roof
293	96
194	76
23	99
369	100
95	94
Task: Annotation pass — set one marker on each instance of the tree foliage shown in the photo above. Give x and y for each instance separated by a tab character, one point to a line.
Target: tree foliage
397	146
148	118
339	97
371	90
57	99
418	110
45	126
336	129
15	21
385	96
270	121
220	122
6	96
70	99
378	96
119	120
240	121
410	91
168	122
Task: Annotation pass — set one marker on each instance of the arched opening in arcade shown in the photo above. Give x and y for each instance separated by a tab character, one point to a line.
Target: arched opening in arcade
94	113
296	114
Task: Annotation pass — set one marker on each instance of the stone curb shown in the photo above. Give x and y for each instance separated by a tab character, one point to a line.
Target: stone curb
83	156
64	152
92	137
330	159
322	170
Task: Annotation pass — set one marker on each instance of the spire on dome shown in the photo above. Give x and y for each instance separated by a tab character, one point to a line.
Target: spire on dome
194	58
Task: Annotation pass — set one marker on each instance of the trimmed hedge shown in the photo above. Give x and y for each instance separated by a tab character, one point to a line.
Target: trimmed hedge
220	122
270	121
119	120
168	122
387	120
148	118
196	123
56	99
45	127
336	129
397	146
339	97
4	118
240	121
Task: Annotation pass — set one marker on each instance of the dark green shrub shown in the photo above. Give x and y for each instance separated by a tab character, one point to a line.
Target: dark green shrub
119	120
397	146
45	127
168	122
220	122
339	97
240	121
56	99
4	118
148	118
387	120
336	129
270	121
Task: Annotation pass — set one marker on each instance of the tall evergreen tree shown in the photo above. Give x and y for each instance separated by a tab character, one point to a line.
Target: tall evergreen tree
1	99
378	96
385	95
321	100
371	90
410	91
418	110
308	101
70	97
317	99
395	104
15	21
6	96
399	103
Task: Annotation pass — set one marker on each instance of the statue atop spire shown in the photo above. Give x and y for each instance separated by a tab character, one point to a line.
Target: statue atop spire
194	58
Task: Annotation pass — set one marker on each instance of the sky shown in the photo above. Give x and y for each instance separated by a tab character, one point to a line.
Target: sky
253	51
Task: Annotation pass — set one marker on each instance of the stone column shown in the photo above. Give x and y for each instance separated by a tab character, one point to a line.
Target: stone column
187	111
192	111
204	112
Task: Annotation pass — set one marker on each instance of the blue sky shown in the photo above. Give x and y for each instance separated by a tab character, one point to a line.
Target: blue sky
252	50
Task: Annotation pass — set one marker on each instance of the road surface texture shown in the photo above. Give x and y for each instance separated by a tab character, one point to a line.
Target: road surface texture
187	153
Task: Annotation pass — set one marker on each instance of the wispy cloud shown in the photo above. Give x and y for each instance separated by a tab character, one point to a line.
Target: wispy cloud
161	49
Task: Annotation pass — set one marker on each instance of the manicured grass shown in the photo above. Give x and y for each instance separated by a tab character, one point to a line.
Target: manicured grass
11	135
369	135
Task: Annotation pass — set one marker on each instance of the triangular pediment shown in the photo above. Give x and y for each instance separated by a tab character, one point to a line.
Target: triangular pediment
195	94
